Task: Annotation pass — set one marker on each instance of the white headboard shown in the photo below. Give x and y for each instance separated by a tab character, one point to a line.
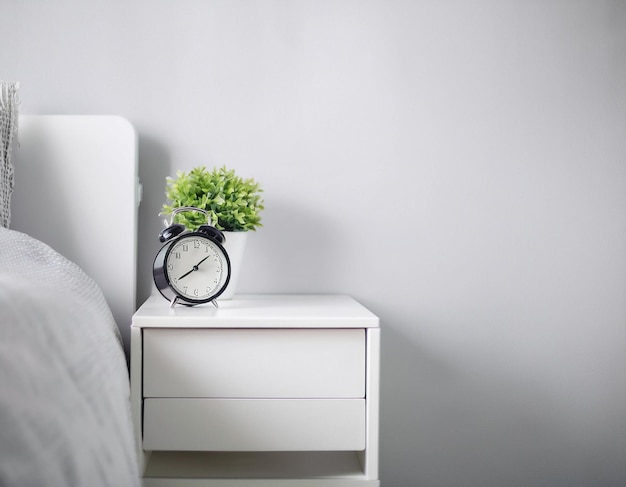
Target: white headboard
76	189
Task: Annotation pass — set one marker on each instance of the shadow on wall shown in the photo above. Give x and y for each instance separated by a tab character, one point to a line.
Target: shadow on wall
154	167
443	425
296	251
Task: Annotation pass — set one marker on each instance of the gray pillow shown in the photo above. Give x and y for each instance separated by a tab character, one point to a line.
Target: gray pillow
8	128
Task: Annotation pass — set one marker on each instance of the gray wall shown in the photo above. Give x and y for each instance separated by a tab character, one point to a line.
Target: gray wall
457	166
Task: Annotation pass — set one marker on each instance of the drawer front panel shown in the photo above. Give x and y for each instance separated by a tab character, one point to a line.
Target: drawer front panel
265	363
254	424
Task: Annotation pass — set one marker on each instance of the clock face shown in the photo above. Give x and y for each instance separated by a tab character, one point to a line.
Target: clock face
196	268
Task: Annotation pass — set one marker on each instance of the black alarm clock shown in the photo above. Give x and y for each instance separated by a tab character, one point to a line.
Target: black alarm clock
192	267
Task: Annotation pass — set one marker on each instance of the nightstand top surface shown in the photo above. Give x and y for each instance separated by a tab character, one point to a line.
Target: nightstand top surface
259	311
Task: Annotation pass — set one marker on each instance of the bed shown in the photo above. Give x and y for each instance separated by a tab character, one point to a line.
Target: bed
67	291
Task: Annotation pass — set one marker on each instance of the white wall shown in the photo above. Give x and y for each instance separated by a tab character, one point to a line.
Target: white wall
458	166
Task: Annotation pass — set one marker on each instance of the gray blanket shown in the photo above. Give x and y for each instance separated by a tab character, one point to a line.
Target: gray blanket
64	390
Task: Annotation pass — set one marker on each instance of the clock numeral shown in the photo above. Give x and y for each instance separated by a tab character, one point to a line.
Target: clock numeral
195	292
177	255
196	244
170	267
185	247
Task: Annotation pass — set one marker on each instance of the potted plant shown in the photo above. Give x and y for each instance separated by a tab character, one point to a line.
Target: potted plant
233	203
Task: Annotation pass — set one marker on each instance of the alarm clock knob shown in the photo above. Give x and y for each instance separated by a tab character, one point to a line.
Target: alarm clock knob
171	231
212	232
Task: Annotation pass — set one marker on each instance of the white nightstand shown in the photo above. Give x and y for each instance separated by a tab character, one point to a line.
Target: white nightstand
265	391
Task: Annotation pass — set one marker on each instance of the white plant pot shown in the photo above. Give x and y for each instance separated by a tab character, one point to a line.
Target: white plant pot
235	245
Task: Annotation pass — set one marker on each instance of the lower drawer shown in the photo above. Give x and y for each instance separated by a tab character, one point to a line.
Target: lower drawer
254	424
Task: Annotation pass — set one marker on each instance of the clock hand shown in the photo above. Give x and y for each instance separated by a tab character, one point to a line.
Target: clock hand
195	268
198	264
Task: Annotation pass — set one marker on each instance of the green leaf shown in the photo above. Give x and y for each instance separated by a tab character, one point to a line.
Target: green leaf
233	203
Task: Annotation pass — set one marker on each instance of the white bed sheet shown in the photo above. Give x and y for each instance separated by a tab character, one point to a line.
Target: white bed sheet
64	389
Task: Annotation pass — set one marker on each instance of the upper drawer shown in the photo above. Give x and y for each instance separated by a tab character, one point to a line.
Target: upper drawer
271	363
